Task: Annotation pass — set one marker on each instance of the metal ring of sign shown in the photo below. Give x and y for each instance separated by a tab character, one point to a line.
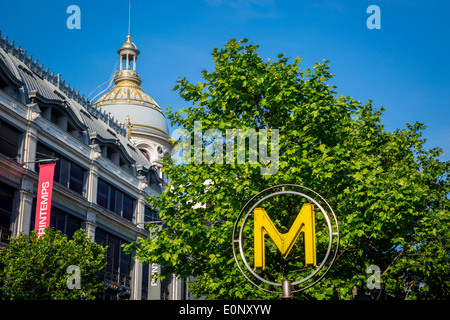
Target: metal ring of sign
240	242
241	249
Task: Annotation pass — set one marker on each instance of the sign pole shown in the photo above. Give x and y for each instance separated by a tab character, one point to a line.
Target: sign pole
286	290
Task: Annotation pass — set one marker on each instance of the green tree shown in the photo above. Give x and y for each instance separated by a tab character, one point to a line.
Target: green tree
38	269
390	195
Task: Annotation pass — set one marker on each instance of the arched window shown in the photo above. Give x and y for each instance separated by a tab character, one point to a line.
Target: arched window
146	154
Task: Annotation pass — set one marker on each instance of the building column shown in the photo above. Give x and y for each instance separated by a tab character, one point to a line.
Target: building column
90	225
26	195
140	212
141	202
25	207
177	292
137	285
92	181
30	141
92	184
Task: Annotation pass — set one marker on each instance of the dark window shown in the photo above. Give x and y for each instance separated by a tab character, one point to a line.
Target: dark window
44	152
113	205
150	215
64	222
113	253
6	209
127	211
100	236
118	263
76	178
111	198
64	173
54	117
125	262
102	193
145	277
59	220
57	173
10	139
67	173
72	225
145	153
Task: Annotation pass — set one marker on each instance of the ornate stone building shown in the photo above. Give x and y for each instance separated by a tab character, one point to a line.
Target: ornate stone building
108	161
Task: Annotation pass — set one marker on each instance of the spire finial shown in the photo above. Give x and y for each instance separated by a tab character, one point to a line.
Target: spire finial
129	16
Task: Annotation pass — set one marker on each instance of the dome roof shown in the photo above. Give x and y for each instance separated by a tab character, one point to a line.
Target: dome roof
131	101
126	101
127	92
128	45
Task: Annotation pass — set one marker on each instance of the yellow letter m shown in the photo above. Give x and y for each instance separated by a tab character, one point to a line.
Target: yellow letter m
304	222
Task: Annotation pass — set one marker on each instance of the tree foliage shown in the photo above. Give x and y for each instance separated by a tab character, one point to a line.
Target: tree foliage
37	269
389	193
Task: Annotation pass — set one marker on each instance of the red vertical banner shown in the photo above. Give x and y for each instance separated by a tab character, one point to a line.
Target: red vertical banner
44	198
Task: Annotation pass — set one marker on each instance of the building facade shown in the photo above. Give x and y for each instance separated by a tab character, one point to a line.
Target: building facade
107	164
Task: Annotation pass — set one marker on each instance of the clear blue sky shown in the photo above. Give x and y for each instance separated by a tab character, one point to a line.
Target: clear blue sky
404	66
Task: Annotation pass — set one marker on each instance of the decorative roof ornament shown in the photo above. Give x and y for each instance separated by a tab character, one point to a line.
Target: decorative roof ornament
127	98
127	81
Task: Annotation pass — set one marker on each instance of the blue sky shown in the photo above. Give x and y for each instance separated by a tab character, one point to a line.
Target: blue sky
404	66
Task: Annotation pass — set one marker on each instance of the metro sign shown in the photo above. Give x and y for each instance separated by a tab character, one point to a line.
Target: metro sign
305	222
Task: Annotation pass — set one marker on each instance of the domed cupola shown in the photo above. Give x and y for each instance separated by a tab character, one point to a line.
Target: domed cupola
129	104
128	54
